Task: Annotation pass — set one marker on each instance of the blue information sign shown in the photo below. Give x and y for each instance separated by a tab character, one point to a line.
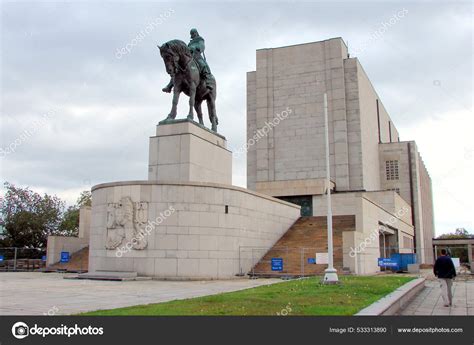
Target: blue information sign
277	264
43	258
64	256
387	262
311	260
2	258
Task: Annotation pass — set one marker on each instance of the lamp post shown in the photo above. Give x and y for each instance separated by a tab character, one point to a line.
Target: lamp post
330	274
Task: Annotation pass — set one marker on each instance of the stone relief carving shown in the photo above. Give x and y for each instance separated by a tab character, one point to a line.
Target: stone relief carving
125	223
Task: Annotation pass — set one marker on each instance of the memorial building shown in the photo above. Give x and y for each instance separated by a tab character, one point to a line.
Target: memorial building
376	178
187	220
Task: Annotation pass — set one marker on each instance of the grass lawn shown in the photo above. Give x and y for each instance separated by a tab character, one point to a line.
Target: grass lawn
295	297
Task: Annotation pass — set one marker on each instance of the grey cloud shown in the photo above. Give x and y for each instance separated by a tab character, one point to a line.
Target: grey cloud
63	55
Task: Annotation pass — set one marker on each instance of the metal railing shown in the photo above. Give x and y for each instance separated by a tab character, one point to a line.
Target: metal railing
297	261
306	261
15	259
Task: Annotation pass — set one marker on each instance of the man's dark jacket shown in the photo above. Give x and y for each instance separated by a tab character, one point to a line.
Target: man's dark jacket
444	267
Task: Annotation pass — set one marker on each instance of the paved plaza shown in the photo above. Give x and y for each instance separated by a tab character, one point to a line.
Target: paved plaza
430	302
30	293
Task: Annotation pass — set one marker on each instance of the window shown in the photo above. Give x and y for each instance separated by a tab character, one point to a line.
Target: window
407	243
391	169
395	190
305	201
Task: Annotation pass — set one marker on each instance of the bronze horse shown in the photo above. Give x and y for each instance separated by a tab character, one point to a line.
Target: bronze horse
186	77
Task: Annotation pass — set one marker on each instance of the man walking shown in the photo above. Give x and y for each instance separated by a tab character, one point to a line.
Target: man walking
445	271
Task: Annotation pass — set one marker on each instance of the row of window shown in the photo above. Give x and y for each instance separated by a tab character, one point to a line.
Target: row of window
395	190
391	170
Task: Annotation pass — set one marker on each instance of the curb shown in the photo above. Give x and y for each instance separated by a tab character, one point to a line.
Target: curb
393	302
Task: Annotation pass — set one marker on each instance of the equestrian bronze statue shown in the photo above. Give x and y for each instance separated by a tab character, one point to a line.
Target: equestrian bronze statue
190	73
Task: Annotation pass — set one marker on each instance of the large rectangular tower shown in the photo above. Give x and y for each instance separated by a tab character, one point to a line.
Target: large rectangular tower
285	132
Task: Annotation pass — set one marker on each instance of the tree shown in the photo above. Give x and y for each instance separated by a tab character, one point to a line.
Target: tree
458	233
85	199
70	221
28	217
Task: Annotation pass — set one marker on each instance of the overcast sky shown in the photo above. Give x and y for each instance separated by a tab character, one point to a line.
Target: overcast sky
81	112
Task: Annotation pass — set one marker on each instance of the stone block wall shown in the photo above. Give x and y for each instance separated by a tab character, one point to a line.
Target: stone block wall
369	101
294	79
185	151
398	152
414	186
426	201
201	239
251	129
361	248
71	244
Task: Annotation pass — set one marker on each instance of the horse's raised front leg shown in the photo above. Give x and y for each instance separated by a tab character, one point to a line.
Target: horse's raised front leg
192	98
177	91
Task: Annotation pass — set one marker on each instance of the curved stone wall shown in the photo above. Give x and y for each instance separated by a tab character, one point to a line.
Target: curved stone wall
177	230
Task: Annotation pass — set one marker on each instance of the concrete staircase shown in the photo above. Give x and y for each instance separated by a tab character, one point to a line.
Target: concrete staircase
79	262
307	236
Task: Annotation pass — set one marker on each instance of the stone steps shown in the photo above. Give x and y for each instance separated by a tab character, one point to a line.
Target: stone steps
111	276
79	262
307	235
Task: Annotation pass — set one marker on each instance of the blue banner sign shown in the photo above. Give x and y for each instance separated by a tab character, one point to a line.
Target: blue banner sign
387	262
277	264
311	260
64	256
2	258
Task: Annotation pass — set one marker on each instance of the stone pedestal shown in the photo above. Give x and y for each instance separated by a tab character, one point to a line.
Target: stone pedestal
182	230
187	221
184	151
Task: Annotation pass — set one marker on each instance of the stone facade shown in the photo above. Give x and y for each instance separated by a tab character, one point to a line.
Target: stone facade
413	183
295	79
373	212
187	221
290	159
193	231
185	151
58	244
